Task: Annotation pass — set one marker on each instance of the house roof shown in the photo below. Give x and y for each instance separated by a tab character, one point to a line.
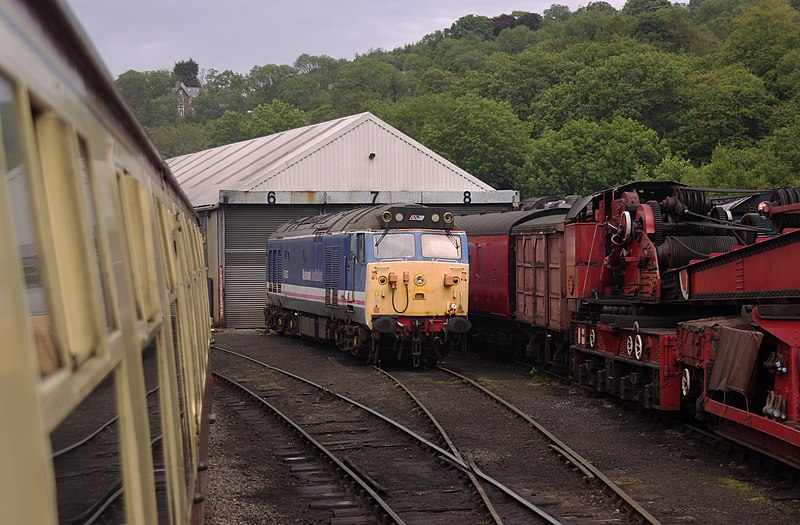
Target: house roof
355	153
190	91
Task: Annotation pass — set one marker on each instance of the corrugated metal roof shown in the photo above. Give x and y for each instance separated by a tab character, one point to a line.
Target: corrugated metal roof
330	156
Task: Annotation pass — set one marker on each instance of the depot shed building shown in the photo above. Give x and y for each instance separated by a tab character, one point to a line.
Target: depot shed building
244	191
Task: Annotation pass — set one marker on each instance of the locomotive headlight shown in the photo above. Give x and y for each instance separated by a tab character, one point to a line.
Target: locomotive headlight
455	279
419	280
382	279
386	216
398	217
447	217
435	217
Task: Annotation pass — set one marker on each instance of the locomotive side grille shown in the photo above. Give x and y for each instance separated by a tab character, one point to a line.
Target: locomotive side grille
331	276
275	271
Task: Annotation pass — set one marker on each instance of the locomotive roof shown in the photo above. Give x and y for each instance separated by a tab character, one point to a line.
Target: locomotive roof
502	223
414	216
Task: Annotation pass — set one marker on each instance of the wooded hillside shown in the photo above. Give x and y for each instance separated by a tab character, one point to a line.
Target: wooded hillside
559	102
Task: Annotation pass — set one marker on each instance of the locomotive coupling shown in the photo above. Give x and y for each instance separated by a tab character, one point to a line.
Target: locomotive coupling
385	325
459	325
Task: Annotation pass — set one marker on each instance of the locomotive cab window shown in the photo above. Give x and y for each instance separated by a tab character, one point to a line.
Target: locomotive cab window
360	248
394	246
436	246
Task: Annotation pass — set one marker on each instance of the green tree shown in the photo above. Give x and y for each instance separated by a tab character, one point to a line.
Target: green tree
482	136
411	114
266	81
229	128
762	36
584	25
728	106
673	168
175	140
186	71
480	26
556	12
746	168
647	87
530	20
516	39
639	7
140	90
462	54
520	79
368	74
585	156
671	30
226	91
273	118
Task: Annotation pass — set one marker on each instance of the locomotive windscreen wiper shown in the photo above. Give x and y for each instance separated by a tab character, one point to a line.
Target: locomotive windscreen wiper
378	242
452	238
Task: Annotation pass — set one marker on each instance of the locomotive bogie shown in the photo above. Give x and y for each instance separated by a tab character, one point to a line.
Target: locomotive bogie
632	364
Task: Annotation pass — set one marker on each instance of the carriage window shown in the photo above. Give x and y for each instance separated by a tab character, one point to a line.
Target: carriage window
25	232
437	246
87	460
394	245
86	181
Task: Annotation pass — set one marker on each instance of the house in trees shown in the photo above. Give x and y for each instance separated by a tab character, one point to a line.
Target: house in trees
185	95
244	191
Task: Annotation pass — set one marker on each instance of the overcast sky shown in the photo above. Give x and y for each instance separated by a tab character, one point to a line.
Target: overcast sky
146	35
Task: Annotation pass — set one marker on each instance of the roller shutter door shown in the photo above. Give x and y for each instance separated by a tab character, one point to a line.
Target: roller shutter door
247	228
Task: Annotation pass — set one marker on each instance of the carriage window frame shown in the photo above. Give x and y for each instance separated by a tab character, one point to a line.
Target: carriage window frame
51	355
97	238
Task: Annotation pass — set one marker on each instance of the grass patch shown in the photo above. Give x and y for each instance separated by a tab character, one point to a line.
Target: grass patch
744	489
489	381
627	482
539	378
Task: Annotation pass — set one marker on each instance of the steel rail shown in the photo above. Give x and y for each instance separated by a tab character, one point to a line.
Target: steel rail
477	484
439	450
83	441
319	446
633	505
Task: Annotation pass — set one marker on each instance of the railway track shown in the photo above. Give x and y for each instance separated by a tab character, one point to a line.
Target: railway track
383	470
498	503
719	444
404	482
555	477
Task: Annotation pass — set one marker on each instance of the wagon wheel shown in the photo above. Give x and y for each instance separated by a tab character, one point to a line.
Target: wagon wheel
686	382
637	346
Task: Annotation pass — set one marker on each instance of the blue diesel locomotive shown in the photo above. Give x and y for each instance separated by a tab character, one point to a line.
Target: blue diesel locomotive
382	282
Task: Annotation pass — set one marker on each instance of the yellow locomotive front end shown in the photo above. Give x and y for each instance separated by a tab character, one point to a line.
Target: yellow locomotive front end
416	289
